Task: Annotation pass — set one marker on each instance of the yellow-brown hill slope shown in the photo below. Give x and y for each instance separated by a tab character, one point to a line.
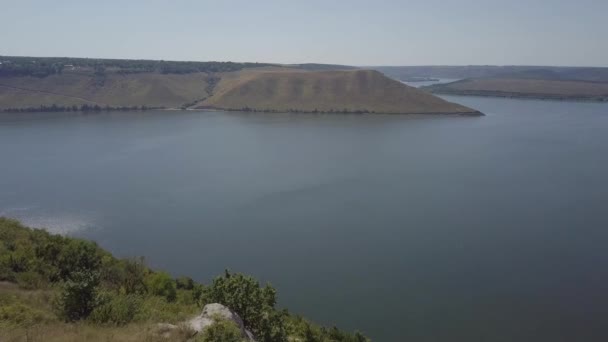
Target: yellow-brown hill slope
328	91
67	89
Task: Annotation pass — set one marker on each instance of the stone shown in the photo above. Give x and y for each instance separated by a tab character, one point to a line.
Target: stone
216	310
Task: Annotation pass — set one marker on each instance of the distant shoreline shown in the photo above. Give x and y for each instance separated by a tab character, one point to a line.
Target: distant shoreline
545	97
242	110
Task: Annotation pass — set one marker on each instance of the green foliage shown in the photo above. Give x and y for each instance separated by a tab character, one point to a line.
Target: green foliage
89	283
117	309
52	257
46	66
127	275
157	309
31	280
78	256
22	315
161	284
306	331
185	283
221	331
253	303
77	298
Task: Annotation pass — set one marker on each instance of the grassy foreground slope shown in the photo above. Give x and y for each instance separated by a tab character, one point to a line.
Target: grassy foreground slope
527	88
56	288
329	91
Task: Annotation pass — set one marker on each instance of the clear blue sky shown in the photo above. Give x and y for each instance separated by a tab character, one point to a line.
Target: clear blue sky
380	32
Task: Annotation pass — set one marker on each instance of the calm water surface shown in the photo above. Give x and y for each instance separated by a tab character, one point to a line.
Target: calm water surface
419	229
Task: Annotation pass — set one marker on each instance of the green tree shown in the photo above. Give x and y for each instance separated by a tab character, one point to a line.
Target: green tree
77	297
161	284
253	303
184	283
77	256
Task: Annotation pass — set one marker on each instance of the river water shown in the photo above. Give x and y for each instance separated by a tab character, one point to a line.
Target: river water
407	228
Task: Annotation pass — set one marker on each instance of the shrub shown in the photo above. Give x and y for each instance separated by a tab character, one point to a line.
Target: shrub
22	315
157	309
184	283
77	298
117	309
161	284
221	331
303	330
198	292
185	297
253	303
126	275
78	256
31	280
135	274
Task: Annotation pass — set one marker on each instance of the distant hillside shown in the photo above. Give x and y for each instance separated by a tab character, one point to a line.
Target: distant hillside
321	67
527	88
45	66
331	91
67	89
488	71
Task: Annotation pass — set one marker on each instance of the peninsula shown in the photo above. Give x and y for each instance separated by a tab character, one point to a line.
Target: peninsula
72	84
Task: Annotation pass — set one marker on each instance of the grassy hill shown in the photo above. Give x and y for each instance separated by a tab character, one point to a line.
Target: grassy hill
55	84
56	288
528	87
328	91
113	89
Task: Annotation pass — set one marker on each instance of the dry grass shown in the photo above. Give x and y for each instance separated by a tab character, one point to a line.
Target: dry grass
150	89
80	332
42	324
270	88
359	90
530	86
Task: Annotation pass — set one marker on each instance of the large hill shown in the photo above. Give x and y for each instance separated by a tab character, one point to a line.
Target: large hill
329	91
29	83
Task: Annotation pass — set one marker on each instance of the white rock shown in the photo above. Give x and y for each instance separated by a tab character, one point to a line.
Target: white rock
207	318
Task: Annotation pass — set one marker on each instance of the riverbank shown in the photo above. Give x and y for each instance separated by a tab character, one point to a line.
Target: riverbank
541	89
519	95
56	288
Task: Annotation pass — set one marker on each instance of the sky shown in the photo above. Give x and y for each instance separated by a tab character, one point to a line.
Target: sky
379	32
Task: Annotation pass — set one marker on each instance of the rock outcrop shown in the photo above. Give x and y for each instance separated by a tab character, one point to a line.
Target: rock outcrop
212	312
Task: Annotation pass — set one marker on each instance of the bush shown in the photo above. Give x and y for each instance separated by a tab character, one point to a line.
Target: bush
184	283
22	315
77	298
78	256
31	280
117	309
161	284
303	330
221	331
254	304
125	275
157	309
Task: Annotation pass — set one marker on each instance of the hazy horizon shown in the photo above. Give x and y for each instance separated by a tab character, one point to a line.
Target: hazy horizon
388	33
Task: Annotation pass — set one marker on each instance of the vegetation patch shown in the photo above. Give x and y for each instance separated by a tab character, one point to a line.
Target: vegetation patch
57	288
